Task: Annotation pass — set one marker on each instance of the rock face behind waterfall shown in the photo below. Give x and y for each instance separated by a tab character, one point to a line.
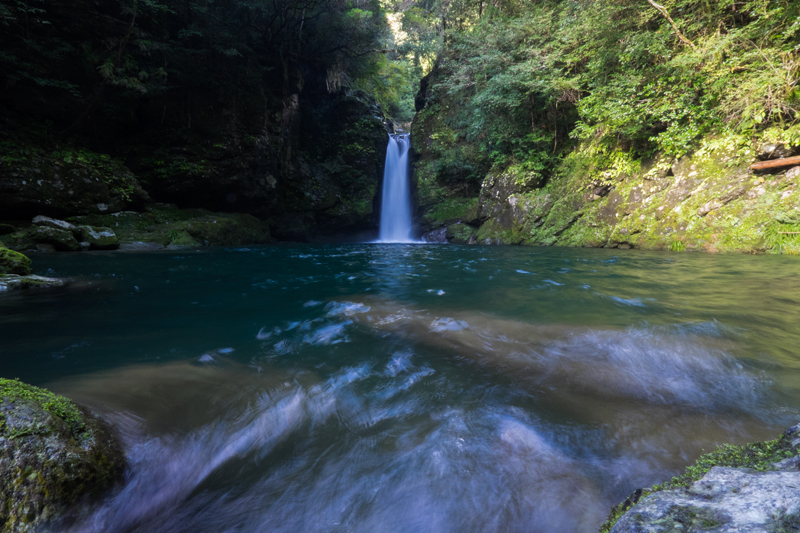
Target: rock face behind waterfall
52	454
756	487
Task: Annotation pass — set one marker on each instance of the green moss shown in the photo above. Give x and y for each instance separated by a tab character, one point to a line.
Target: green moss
12	262
460	233
451	209
56	453
491	232
758	456
14	390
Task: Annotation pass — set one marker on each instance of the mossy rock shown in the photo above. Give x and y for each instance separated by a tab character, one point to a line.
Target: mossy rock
461	234
12	282
62	240
12	262
716	483
99	238
52	453
228	229
180	228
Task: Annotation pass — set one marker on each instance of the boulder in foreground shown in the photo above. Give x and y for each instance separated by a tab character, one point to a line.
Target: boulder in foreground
754	487
52	453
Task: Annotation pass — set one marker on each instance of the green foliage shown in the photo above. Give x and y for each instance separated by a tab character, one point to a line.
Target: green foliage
451	209
391	81
179	167
174	235
12	390
677	246
535	81
784	235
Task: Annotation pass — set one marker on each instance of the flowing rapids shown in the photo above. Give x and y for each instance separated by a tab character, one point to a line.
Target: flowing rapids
396	194
406	388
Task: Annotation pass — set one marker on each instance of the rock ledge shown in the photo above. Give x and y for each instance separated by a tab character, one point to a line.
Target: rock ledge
758	490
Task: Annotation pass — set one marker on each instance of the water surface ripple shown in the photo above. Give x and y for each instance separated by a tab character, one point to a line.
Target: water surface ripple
404	388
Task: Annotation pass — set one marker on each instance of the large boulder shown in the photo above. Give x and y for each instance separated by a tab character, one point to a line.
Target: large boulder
52	453
776	151
54	223
99	238
63	240
743	488
12	262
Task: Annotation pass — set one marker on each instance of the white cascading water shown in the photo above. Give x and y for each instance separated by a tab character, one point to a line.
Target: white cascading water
396	199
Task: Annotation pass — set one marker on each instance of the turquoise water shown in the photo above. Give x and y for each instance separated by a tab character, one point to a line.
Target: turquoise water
399	387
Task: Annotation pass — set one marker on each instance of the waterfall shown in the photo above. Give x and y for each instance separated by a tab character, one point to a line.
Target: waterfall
396	196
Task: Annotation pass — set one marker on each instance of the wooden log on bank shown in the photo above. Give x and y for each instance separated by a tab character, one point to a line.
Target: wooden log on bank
775	163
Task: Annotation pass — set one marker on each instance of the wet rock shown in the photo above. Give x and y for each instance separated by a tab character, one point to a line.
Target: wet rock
438	236
708	207
5	229
756	497
460	234
12	282
52	453
28	239
12	262
54	223
725	500
99	238
325	166
140	246
776	151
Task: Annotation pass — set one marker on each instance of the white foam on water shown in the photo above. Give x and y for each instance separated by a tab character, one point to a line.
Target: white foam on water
448	324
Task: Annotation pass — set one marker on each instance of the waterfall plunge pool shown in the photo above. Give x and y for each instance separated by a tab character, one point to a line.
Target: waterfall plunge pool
393	388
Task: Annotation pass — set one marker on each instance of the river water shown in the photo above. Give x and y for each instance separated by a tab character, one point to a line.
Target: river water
394	388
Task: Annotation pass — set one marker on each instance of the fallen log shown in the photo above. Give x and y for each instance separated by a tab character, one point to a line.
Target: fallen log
775	163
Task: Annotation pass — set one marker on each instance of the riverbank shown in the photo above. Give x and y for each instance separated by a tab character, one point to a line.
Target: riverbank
710	201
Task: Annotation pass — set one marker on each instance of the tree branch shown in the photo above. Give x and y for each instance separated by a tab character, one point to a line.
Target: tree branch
665	13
